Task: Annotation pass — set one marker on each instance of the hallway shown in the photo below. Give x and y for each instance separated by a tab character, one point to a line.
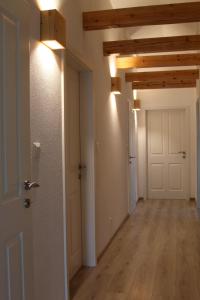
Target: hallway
155	256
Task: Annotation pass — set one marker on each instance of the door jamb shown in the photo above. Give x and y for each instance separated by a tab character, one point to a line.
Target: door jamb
88	157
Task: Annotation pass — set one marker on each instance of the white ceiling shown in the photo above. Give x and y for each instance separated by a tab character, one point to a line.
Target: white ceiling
132	3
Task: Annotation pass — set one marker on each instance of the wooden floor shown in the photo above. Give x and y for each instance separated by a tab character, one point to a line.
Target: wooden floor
155	256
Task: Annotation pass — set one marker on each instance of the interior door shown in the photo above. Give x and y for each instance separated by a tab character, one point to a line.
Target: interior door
16	255
132	160
168	154
73	170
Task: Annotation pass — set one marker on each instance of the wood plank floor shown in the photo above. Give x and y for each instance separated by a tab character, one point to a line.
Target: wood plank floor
155	256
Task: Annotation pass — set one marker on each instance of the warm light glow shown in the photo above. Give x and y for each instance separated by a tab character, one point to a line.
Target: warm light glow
136	121
112	65
114	114
46	4
116	92
47	59
54	45
135	94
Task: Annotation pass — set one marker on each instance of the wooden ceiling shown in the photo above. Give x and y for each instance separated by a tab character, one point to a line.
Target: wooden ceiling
145	16
158	61
142	16
162	76
140	85
152	45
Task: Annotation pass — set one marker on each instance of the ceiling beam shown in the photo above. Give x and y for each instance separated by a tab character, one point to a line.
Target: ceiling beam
163	76
152	45
157	61
163	84
141	16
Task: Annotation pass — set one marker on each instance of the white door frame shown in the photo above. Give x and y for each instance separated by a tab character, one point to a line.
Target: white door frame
87	156
157	107
132	131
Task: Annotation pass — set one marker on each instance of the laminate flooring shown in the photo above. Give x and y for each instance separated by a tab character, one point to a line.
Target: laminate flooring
155	256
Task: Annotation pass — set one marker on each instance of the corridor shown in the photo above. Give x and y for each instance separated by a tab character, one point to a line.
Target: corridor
155	256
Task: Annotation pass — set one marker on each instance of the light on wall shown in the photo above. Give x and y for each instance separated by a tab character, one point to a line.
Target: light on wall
52	29
116	86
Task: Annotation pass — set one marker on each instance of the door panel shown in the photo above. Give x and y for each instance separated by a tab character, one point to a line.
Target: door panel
16	255
73	172
175	177
175	128
14	267
157	177
167	167
157	133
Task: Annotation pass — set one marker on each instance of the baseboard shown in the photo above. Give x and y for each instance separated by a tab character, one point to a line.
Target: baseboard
111	240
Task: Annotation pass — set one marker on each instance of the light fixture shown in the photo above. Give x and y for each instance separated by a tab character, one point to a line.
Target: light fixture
136	105
53	30
116	86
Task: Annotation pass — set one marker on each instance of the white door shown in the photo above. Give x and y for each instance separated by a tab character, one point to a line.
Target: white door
132	160
168	154
73	171
16	255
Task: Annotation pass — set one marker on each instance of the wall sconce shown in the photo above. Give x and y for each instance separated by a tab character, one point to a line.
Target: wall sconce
116	86
52	29
136	105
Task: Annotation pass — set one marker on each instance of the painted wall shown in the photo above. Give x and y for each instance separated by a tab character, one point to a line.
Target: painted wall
162	99
111	127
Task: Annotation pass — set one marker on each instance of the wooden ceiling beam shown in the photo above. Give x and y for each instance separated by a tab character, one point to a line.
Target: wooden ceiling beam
141	16
152	45
162	76
158	61
163	84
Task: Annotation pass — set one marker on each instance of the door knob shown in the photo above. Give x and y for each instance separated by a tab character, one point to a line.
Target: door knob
29	185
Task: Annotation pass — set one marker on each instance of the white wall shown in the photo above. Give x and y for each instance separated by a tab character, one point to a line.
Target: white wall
111	127
163	99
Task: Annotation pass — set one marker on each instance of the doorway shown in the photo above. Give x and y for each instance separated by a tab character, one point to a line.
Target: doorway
168	154
79	137
133	191
74	171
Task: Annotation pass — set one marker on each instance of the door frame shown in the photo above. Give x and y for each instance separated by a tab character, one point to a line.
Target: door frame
131	132
87	115
160	107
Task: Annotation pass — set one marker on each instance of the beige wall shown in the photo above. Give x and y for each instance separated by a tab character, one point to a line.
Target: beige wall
111	127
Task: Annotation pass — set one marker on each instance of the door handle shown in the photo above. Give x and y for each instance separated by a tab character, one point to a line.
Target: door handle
82	167
29	185
182	152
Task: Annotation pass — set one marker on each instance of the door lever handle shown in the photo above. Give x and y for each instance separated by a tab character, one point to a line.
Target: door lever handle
29	185
182	152
82	167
